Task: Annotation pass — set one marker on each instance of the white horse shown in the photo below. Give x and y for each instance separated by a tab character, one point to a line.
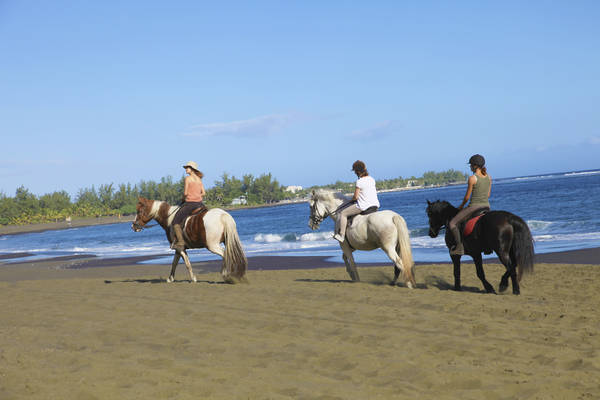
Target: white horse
208	229
383	229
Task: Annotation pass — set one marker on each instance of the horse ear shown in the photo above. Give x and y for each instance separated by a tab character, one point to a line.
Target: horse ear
428	203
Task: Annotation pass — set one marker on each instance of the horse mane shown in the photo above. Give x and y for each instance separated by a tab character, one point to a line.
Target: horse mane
328	194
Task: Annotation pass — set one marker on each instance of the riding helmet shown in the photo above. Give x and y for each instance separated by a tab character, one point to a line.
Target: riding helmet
477	159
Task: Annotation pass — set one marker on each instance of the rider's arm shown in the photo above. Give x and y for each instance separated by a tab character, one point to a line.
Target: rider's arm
356	193
490	189
470	183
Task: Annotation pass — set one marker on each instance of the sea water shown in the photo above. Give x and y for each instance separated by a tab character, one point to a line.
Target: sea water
561	209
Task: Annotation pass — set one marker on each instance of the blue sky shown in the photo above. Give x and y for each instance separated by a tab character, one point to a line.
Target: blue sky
115	92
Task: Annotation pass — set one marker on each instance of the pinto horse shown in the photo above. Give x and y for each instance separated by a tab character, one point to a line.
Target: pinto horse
499	231
205	230
383	229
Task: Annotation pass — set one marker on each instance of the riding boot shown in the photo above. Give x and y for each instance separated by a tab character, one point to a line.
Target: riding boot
339	237
178	244
458	247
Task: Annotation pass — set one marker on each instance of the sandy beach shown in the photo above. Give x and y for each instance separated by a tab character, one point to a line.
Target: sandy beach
92	329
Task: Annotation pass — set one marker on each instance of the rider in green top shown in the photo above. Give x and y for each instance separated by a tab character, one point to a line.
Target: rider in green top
478	190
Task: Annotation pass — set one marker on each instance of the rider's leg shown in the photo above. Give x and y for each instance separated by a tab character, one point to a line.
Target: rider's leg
353	209
179	242
458	248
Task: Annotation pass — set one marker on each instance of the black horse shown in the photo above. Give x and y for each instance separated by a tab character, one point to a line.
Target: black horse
499	231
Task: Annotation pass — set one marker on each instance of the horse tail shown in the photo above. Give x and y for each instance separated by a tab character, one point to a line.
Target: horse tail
234	259
522	246
404	250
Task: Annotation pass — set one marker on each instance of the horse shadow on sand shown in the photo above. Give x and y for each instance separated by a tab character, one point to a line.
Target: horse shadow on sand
163	280
442	284
380	278
375	278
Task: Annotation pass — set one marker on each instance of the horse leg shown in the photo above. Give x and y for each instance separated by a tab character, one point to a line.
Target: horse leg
511	271
218	250
176	258
349	261
481	274
456	262
189	266
504	281
398	266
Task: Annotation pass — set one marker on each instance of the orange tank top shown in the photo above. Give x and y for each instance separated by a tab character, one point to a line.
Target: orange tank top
193	191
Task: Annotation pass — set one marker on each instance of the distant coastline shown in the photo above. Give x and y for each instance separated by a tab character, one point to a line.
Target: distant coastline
93	221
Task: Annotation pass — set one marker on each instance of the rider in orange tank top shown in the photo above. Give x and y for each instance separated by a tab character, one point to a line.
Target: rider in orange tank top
193	195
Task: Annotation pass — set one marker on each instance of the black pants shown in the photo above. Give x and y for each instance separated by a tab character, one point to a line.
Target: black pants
185	210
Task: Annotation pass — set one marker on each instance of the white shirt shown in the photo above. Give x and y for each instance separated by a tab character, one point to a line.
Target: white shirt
367	197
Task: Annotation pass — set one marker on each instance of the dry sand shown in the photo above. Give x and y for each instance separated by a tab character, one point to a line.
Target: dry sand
122	332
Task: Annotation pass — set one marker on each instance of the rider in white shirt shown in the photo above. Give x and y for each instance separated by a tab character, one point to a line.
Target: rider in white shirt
365	196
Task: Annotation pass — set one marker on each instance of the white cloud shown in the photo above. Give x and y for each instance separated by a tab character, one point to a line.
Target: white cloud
378	131
259	126
594	140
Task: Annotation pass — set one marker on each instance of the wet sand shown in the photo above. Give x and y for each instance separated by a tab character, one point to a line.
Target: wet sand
88	328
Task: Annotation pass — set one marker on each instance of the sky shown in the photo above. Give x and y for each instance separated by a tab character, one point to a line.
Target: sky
104	92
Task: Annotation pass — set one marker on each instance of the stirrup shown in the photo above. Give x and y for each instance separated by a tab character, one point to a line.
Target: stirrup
457	250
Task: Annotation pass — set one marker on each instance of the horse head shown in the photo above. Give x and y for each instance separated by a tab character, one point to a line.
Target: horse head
437	213
143	214
322	204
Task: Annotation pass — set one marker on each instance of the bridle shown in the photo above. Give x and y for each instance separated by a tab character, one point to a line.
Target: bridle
315	217
138	227
439	228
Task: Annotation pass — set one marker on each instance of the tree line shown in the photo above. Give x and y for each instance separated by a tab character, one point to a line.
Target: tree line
111	200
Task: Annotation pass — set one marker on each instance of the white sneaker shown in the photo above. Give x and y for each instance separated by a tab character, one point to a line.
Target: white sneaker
338	237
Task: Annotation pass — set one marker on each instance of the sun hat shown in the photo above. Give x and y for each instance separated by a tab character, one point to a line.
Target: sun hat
477	159
192	165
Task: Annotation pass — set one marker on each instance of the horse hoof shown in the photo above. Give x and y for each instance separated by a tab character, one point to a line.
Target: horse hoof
194	279
502	288
409	285
170	279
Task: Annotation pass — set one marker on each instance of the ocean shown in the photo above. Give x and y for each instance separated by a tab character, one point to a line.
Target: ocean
561	209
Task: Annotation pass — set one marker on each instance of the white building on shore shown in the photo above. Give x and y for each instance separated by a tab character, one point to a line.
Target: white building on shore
293	189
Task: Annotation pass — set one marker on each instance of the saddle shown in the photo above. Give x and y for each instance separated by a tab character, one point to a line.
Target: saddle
198	210
369	210
468	226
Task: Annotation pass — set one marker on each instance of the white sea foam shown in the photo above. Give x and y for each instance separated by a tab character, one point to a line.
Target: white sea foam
583	173
571	237
292	237
538	225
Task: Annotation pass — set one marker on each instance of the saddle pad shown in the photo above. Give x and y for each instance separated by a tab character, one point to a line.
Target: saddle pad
470	225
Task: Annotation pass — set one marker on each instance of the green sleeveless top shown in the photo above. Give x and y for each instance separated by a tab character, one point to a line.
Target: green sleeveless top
479	196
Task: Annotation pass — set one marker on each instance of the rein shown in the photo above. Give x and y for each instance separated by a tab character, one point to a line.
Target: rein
145	226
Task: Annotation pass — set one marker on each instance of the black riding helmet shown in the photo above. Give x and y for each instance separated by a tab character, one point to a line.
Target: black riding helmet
477	160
